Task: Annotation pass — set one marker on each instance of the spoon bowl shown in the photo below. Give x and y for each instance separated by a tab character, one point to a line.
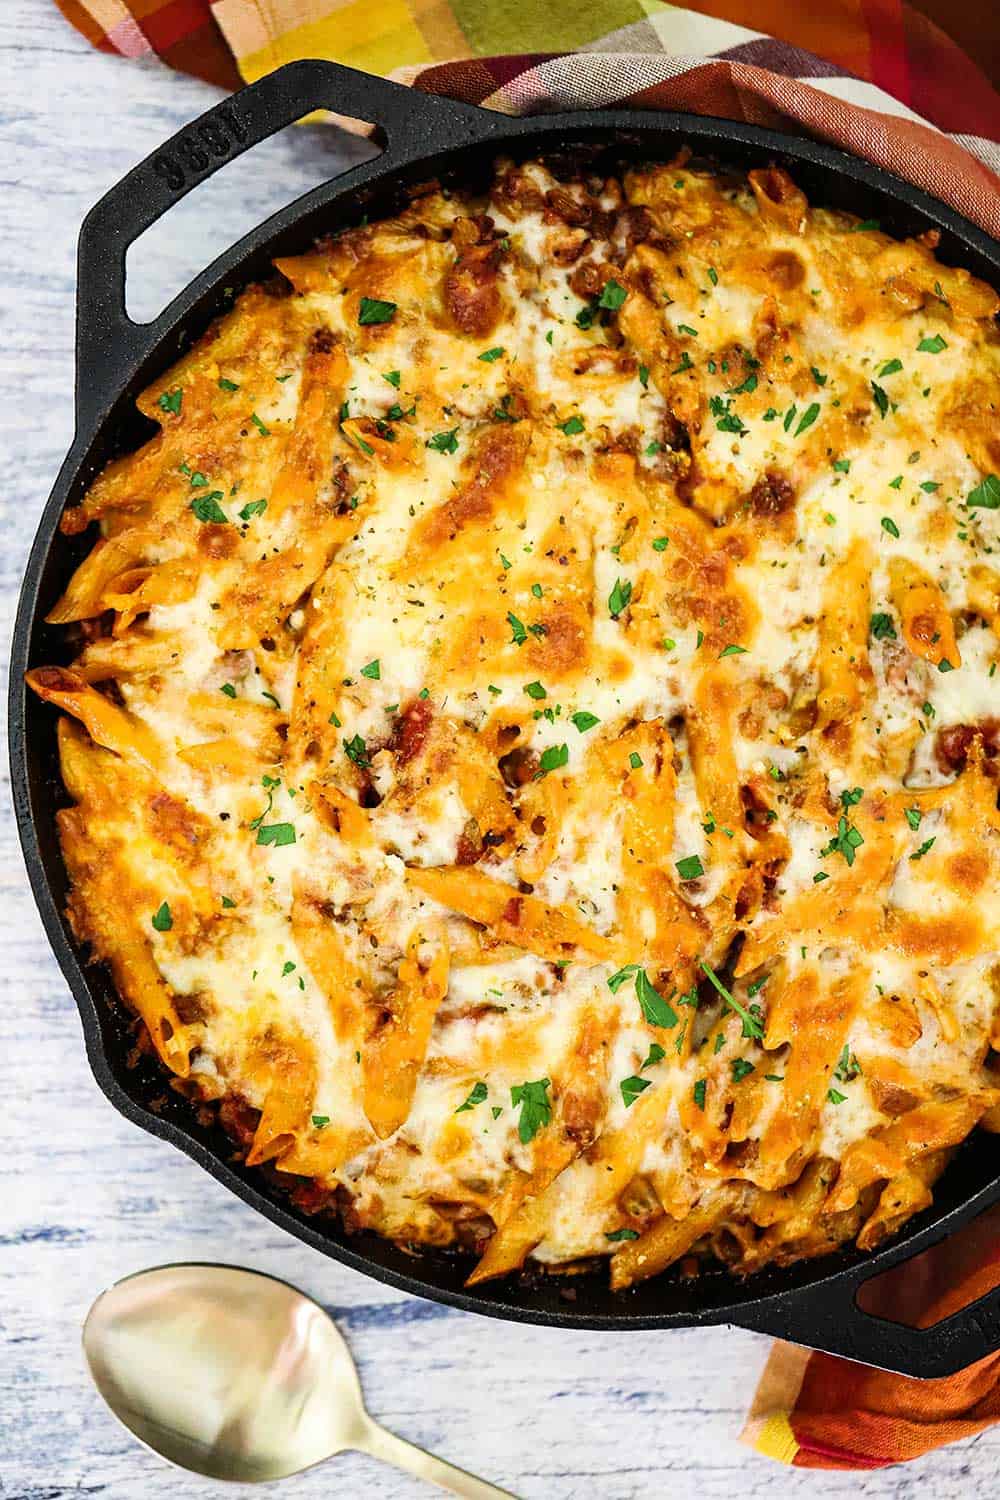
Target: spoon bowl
236	1375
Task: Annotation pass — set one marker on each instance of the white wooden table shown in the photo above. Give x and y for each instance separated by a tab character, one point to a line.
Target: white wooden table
85	1197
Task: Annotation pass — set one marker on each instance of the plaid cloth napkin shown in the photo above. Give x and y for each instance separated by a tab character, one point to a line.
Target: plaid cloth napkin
872	76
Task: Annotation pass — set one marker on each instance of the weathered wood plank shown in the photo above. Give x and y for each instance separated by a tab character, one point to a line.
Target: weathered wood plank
85	1197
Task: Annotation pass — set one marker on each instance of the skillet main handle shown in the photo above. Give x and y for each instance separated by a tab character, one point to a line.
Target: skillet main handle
826	1316
109	345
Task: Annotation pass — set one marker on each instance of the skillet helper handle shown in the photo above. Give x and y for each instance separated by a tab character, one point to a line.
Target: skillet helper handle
109	345
826	1316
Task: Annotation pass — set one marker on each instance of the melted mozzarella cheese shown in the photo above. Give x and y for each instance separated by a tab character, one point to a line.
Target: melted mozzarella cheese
587	476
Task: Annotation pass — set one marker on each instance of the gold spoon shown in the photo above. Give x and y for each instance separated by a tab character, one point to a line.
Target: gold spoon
236	1375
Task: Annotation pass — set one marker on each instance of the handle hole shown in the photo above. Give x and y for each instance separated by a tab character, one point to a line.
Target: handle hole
223	208
950	1276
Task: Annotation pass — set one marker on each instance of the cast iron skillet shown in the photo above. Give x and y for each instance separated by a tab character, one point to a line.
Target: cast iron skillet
422	137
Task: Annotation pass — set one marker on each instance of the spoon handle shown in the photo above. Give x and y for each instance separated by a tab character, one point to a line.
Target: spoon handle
383	1444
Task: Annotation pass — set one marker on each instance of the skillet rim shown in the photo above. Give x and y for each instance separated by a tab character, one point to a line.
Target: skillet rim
807	1303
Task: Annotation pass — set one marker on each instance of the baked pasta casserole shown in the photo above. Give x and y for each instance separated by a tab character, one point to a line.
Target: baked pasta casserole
533	721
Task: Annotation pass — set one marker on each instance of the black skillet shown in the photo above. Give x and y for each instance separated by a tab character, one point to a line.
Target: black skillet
422	137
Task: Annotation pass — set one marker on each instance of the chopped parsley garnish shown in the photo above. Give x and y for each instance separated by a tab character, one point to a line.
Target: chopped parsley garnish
851	796
897	483
741	1068
929	486
847	841
986	495
655	1009
535	690
393	378
924	847
444	442
287	968
536	1110
622	1234
264	431
616	981
373	310
373	670
732	650
686	328
807	418
913	817
747	388
835	1097
619	597
758	985
881	400
162	920
864	224
661	543
476	1096
357	751
687	363
320	1120
230	905
656	1054
631	1089
819	378
519	634
551	759
207	508
635	760
848	1067
612	296
253	508
644	375
489	355
889	525
752	1025
842	465
276	834
932	345
228	689
503	413
582	720
891	367
571	426
228	385
726	420
171	401
944	665
698	1093
713	276
690	867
